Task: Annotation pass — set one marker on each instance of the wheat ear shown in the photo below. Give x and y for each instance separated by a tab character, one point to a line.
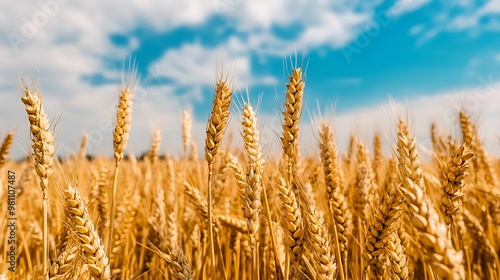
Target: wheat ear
102	199
120	140
431	233
409	160
43	154
336	200
4	149
477	232
83	146
292	223
155	147
351	153
253	186
158	221
187	123
452	178
365	184
239	175
381	228
89	240
216	127
377	156
319	243
61	268
180	268
202	207
291	114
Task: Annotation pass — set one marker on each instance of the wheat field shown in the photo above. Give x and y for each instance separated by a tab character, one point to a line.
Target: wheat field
244	213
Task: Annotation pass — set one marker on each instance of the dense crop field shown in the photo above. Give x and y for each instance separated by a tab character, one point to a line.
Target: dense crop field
246	214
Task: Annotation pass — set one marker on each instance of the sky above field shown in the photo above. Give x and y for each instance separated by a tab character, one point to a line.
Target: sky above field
370	60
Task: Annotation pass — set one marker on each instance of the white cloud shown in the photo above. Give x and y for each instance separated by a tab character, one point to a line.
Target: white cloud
332	29
416	29
195	67
471	18
490	8
468	16
405	6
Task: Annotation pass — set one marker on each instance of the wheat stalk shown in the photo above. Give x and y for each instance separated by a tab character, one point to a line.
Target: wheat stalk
216	128
253	186
336	200
43	156
120	140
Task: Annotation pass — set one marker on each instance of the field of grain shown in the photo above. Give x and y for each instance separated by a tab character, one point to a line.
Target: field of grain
242	213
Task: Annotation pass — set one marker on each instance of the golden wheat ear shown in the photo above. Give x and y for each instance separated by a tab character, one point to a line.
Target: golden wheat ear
123	122
187	123
43	156
336	201
293	225
83	146
253	186
291	119
120	140
431	233
90	243
5	148
452	179
216	127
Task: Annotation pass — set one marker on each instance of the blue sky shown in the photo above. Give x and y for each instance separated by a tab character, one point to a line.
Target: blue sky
428	56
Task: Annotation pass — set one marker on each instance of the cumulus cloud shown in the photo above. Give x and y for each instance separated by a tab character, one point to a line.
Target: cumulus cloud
194	64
